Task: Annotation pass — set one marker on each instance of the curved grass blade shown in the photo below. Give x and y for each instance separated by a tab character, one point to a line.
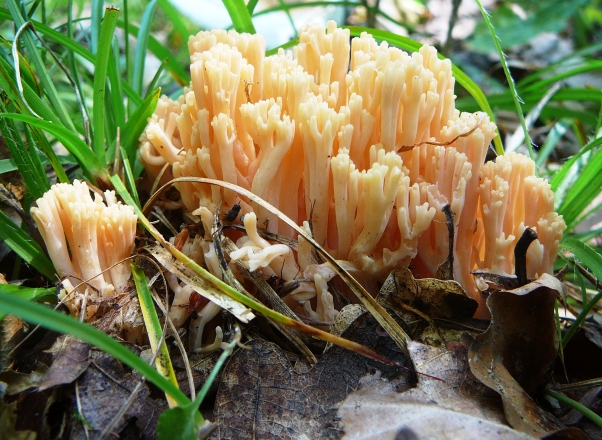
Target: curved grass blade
100	82
78	148
53	320
22	243
510	80
28	294
410	45
36	60
154	330
26	157
241	19
579	195
142	44
380	314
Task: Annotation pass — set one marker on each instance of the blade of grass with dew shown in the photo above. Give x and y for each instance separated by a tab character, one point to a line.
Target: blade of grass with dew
552	139
381	315
24	246
514	93
28	294
89	163
53	320
236	295
136	124
410	45
107	29
141	46
26	158
36	60
183	422
154	331
580	194
239	14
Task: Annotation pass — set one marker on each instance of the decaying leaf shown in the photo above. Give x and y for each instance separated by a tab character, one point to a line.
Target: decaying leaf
436	298
458	406
516	353
70	362
103	390
263	396
200	285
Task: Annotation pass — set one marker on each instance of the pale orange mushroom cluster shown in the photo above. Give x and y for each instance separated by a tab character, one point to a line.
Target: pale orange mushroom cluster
362	141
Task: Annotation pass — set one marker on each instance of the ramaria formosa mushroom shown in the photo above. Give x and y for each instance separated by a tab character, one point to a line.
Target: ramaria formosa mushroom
86	238
362	142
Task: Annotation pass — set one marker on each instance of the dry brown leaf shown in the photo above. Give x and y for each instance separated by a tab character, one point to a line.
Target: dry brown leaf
516	353
436	298
263	396
457	407
103	389
70	362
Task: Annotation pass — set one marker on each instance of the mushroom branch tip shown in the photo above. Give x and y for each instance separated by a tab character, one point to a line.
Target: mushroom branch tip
361	142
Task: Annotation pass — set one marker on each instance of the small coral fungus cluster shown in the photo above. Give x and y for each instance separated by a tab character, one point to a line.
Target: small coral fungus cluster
357	141
87	239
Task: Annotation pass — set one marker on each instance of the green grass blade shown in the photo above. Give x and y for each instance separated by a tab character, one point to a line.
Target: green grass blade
26	157
7	165
251	6
585	254
153	328
7	84
96	24
129	178
155	47
371	9
514	93
576	405
39	314
78	148
552	139
593	261
410	45
136	124
43	75
100	82
175	18
20	242
141	47
580	194
239	14
28	294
